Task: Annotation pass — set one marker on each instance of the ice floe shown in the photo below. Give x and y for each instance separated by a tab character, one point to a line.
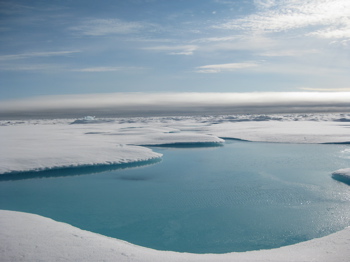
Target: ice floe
41	147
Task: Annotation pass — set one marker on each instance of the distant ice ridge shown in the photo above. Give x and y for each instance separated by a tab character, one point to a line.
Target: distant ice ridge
29	237
90	120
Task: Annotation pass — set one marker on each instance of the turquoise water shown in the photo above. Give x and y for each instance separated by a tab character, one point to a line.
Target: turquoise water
242	196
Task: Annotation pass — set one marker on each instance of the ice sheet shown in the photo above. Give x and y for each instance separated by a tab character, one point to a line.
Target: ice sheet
43	144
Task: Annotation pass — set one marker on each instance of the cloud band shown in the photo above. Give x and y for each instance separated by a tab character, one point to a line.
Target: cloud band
143	104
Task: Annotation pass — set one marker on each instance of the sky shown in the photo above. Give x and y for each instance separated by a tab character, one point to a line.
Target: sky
84	47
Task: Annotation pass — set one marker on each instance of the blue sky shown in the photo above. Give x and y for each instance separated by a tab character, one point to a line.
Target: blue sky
87	47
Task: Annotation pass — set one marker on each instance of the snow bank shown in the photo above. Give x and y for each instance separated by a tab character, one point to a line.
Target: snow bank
55	241
40	145
342	175
36	147
284	132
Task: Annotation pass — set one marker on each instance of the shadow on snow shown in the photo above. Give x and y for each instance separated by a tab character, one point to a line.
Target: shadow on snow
74	171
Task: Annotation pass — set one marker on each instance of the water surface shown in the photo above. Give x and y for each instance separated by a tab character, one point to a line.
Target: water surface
242	196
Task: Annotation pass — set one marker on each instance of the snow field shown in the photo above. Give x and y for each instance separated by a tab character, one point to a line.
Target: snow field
45	144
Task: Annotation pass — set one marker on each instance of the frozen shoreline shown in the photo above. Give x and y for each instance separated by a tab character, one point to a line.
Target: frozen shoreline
55	241
342	175
46	144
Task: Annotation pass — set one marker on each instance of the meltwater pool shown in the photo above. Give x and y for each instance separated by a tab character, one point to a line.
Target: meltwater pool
238	197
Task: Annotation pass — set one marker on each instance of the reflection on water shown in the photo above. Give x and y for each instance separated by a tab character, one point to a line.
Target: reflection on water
237	197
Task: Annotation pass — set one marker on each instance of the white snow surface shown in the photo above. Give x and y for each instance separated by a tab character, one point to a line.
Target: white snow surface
28	237
345	172
47	144
285	132
43	144
40	147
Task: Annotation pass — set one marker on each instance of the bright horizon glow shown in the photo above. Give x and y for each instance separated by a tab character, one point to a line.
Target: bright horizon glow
144	104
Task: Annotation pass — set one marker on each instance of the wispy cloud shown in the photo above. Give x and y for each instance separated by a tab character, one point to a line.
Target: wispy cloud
215	39
36	54
100	27
104	69
345	89
280	16
246	41
54	68
264	4
336	33
174	50
289	52
33	67
225	67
